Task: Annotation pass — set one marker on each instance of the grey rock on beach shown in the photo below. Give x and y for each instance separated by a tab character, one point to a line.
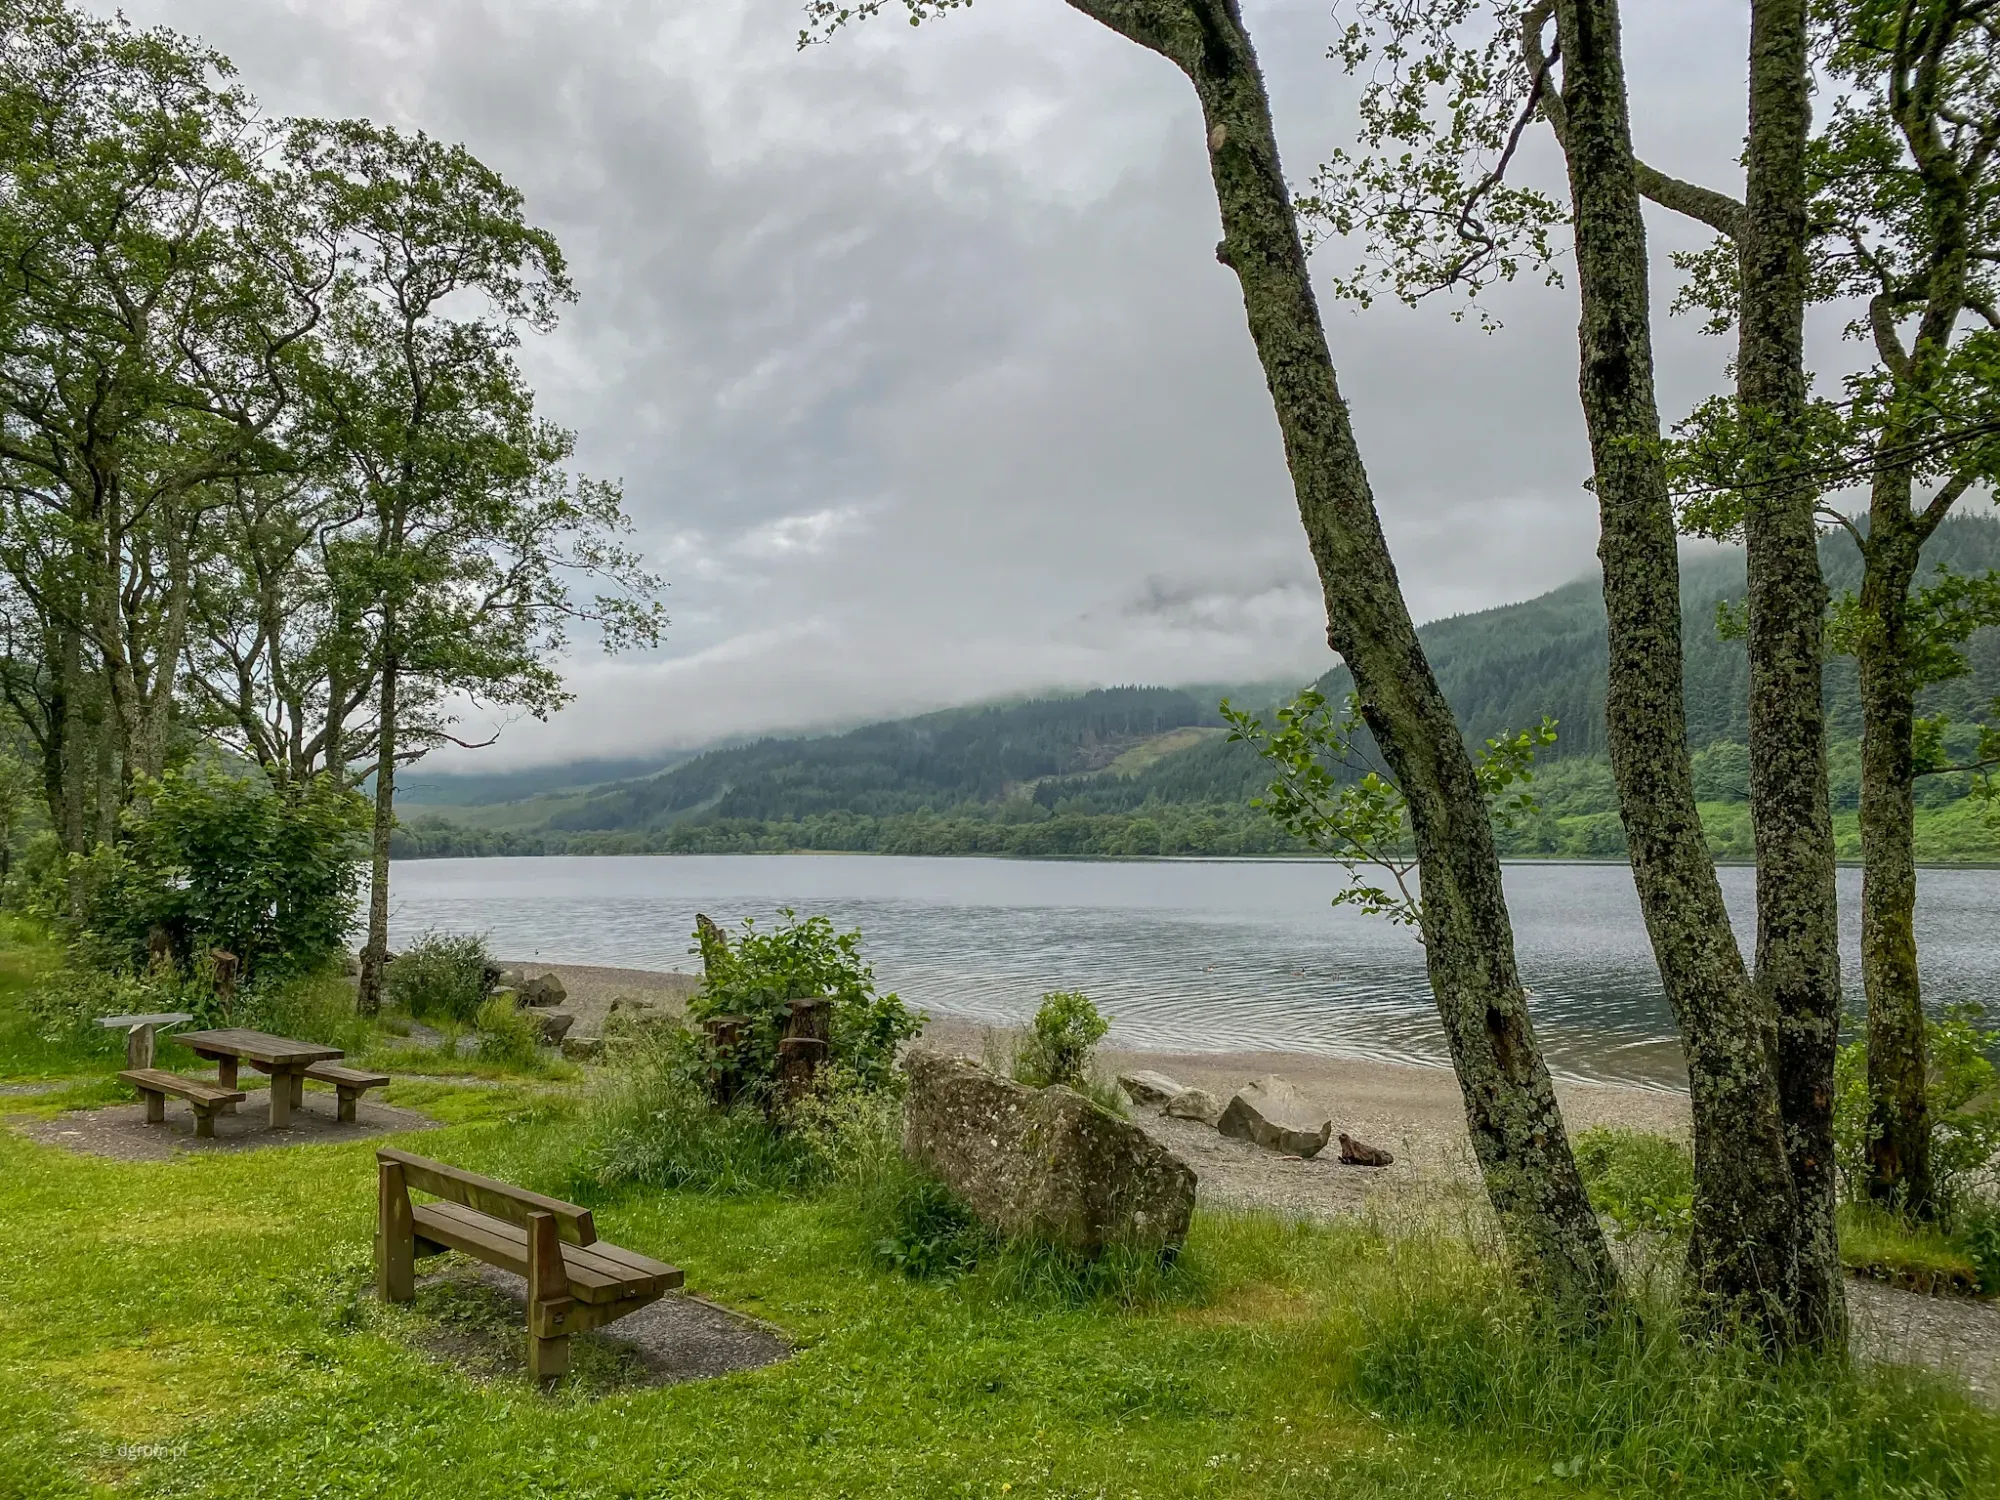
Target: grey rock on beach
1273	1114
1149	1087
1044	1164
1360	1154
1194	1104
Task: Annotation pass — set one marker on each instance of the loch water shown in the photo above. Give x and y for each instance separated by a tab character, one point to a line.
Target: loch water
1199	955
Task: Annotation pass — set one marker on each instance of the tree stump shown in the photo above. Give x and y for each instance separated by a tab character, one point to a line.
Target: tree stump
226	968
727	1036
803	1048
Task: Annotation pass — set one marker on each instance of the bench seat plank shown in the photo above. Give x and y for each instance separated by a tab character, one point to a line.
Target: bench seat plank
597	1272
353	1078
194	1090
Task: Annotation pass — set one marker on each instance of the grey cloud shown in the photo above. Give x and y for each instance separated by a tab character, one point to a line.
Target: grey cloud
914	357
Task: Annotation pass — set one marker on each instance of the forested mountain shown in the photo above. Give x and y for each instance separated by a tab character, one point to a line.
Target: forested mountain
940	760
1148	770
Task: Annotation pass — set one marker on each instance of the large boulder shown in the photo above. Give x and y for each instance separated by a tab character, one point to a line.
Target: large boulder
1148	1087
542	990
555	1025
1043	1164
1273	1114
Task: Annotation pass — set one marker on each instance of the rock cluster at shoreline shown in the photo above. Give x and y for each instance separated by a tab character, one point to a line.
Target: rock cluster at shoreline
1270	1112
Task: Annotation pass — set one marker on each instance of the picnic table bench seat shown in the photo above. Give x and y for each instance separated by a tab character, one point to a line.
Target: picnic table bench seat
575	1280
349	1085
203	1097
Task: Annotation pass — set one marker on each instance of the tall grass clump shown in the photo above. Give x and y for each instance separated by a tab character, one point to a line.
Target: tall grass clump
442	976
651	1122
1637	1409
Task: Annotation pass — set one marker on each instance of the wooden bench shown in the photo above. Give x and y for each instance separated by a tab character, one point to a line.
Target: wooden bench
203	1097
349	1083
575	1280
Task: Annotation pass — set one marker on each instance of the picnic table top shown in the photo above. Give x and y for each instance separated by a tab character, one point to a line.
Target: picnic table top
257	1046
164	1018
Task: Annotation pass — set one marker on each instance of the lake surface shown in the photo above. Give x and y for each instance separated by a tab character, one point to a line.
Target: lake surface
1190	955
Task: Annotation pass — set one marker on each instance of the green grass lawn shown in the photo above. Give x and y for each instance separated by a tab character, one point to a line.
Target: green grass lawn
204	1327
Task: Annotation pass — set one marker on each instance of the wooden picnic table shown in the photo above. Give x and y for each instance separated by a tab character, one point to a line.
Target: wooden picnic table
281	1057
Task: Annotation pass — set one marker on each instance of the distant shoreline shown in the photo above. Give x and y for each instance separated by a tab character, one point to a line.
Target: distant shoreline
1115	859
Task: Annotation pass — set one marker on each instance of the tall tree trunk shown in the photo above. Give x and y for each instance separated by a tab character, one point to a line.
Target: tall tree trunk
1798	911
1743	1257
1899	1152
375	953
1516	1127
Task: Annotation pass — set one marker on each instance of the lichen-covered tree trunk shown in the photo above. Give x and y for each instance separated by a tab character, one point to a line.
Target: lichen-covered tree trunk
1798	912
375	952
1743	1258
1899	1152
1516	1127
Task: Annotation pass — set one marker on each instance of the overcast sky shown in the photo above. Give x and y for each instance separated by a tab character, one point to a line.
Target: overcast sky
914	357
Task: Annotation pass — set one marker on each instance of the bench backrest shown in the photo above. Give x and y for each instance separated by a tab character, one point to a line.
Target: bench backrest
500	1199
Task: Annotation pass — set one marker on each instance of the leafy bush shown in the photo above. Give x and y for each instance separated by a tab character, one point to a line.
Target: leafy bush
66	1005
1643	1183
1981	1227
441	976
1060	1041
759	974
929	1234
1964	1109
222	860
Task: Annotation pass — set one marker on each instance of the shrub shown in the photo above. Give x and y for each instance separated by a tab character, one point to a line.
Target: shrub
1060	1041
928	1234
66	1005
441	976
1981	1221
761	973
1643	1183
506	1036
224	860
1964	1108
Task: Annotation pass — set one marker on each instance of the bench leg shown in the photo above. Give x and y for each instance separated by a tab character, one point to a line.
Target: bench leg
156	1106
548	1359
344	1111
281	1101
225	1074
204	1121
395	1235
298	1090
548	1302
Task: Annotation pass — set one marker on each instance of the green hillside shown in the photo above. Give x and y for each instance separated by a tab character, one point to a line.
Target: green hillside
1143	771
